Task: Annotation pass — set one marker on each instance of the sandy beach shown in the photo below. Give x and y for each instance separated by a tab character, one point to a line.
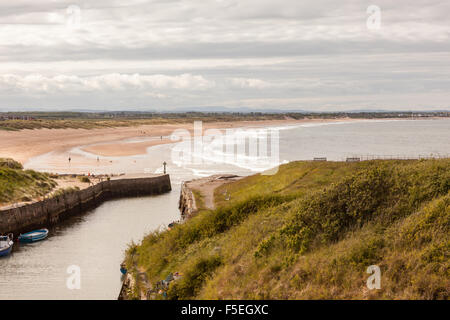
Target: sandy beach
25	144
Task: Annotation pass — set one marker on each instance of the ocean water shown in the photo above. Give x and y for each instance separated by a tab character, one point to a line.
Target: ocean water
249	150
384	138
96	240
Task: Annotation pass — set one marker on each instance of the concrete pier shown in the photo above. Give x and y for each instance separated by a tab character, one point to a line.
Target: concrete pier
186	204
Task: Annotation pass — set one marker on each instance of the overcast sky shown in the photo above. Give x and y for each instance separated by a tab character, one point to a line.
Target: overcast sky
263	54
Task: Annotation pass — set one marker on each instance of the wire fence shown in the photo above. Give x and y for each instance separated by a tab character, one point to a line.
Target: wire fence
403	157
368	157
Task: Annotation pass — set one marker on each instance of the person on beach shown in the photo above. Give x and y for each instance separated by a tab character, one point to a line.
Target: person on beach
69	159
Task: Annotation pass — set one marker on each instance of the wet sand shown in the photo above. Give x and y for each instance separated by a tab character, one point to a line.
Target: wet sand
25	144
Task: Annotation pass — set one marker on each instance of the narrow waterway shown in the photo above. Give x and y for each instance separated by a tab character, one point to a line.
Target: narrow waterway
96	241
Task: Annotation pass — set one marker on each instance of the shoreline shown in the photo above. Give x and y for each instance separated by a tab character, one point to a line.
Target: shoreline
26	144
124	150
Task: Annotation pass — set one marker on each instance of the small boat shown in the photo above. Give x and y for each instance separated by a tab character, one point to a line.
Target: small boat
6	244
33	236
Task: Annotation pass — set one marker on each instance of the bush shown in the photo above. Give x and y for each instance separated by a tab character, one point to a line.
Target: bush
10	163
65	191
366	253
84	179
192	281
17	184
324	217
222	219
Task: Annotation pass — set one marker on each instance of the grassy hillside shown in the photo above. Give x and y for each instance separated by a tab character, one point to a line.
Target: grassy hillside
310	232
18	185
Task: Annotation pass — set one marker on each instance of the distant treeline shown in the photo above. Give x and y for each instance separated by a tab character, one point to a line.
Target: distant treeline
226	115
90	120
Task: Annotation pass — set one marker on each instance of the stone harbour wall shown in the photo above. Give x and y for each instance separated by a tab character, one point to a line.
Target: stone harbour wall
52	210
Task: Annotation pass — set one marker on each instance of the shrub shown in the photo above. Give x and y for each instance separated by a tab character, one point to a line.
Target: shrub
371	193
17	184
366	253
192	281
84	179
65	191
210	223
10	163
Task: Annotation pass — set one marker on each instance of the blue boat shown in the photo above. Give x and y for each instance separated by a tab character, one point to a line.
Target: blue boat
33	236
6	244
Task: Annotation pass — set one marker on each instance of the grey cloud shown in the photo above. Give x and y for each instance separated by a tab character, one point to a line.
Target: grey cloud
220	50
305	53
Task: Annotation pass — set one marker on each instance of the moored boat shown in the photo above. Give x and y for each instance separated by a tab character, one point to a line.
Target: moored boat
34	236
6	244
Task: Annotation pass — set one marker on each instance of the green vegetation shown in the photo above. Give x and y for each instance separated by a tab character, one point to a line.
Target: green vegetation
194	277
84	179
199	199
310	232
10	163
18	185
65	191
78	120
91	120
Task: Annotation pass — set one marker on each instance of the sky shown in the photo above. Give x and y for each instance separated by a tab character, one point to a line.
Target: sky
166	55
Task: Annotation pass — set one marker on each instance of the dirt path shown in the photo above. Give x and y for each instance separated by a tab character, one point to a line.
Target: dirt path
206	186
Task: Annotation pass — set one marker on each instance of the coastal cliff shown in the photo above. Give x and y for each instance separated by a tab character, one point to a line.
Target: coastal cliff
308	232
50	211
195	195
